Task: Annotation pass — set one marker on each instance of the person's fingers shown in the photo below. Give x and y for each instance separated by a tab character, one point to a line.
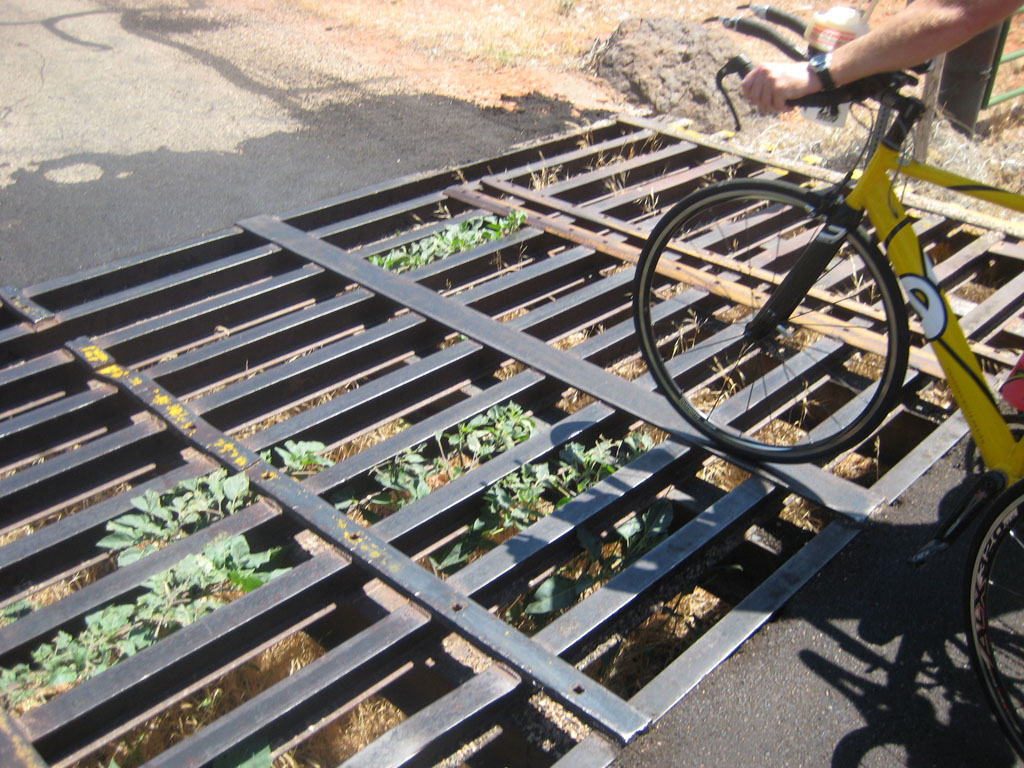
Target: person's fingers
755	88
771	89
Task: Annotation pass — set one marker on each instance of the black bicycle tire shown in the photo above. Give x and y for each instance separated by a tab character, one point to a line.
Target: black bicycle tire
992	532
891	300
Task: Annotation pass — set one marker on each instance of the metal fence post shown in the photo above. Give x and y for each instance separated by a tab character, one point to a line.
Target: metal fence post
966	78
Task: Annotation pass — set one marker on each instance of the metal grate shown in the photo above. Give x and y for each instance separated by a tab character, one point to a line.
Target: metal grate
160	369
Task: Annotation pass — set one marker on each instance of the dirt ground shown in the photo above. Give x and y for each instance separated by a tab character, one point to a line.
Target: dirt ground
491	52
497	53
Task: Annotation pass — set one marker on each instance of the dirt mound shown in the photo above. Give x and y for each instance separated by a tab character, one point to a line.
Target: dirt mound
670	66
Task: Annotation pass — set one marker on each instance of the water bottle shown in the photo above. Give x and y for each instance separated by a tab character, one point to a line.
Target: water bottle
827	31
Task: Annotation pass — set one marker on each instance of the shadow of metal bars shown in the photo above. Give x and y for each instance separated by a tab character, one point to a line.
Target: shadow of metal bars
152	371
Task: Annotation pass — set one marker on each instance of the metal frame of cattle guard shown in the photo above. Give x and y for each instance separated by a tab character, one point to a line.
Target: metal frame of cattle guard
164	367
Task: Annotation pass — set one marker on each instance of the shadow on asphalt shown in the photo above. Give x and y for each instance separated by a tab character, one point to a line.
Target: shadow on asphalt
905	667
866	666
125	205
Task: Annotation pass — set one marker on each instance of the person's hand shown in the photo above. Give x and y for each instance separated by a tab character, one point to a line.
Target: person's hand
770	86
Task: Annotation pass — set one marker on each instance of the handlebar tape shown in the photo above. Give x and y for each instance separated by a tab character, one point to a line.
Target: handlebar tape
780	17
759	29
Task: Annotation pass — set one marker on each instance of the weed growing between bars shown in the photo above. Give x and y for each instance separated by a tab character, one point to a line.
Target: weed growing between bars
453	239
411	475
171	600
534	491
179	596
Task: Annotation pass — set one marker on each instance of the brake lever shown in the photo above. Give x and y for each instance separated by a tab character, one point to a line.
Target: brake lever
738	65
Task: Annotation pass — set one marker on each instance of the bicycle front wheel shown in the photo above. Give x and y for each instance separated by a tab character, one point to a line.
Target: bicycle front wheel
995	611
808	386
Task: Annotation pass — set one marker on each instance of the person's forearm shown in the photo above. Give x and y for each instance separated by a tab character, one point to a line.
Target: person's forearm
920	31
926	28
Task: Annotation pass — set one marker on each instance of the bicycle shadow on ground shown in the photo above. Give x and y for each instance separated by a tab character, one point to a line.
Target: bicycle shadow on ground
904	666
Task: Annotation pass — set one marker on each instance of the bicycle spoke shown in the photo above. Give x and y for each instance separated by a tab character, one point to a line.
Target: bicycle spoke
788	388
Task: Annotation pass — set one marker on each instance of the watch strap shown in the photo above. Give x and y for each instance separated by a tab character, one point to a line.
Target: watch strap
819	65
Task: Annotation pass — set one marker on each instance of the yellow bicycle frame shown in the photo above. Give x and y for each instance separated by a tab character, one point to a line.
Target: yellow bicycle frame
874	194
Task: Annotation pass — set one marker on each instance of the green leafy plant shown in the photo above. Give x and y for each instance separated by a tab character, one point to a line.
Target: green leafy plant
175	598
581	467
513	503
523	497
11	613
409	475
499	429
246	757
301	458
163	517
404	478
453	239
634	538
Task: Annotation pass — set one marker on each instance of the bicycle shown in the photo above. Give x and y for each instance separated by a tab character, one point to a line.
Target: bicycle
788	282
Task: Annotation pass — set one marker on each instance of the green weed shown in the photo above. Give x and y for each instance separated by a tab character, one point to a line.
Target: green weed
164	517
302	458
453	239
633	539
173	599
523	497
411	475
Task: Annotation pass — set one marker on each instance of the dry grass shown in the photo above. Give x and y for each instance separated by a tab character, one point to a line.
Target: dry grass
938	393
187	717
974	292
14	534
721	474
805	514
314	401
659	640
779	432
327	746
345	738
68	586
366	440
573	401
866	364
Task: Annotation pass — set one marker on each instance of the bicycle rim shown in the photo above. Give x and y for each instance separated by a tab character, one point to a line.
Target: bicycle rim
995	612
812	386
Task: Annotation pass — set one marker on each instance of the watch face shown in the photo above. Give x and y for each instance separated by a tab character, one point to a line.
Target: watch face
819	65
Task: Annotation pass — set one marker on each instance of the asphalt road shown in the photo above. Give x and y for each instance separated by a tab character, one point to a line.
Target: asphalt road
125	131
121	135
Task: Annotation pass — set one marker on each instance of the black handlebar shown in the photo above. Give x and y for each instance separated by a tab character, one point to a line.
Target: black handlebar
871	87
759	29
883	87
780	17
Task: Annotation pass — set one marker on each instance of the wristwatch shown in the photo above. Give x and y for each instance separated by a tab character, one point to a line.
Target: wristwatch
819	65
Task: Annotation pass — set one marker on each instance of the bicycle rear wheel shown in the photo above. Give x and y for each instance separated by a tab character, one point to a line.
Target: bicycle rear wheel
814	384
995	611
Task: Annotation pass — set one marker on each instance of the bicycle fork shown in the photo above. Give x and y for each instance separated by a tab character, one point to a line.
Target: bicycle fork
809	267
